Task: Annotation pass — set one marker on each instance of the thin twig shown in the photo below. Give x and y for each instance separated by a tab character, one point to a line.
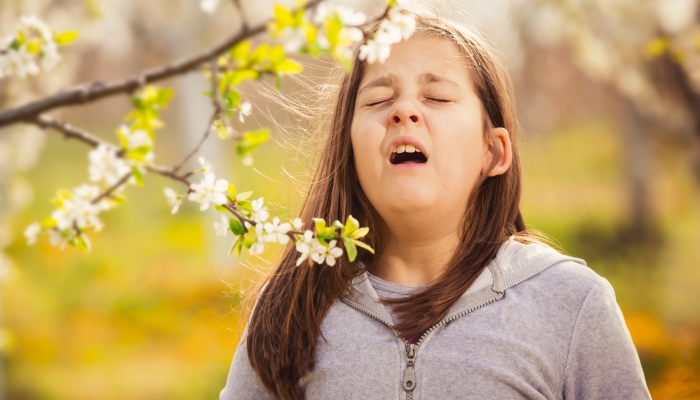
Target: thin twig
90	92
244	20
196	149
112	188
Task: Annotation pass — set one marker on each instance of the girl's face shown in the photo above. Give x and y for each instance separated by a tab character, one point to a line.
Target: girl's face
421	96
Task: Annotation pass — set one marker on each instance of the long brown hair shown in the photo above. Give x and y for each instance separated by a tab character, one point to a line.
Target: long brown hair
285	324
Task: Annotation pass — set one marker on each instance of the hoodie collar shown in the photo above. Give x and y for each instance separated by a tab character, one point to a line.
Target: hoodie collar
515	262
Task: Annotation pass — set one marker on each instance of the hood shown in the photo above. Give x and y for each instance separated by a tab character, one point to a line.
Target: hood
514	263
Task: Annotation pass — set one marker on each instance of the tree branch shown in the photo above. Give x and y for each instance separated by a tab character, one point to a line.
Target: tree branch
90	92
69	131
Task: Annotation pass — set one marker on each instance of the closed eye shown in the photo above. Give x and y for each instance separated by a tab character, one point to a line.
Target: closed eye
437	100
376	103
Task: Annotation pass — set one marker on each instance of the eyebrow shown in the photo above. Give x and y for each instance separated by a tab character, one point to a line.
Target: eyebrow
390	80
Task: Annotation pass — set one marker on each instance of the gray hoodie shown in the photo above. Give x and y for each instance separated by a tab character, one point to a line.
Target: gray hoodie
536	324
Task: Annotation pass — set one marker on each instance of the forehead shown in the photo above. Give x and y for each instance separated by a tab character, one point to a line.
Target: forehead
423	58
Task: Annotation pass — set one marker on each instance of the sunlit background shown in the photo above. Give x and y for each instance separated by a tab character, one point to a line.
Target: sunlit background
609	102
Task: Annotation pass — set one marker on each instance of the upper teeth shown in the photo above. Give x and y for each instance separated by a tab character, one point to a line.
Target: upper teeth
406	148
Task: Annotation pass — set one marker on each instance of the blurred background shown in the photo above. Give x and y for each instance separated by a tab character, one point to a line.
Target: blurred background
609	102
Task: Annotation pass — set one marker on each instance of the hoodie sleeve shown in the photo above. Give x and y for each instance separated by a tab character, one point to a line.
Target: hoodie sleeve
602	362
242	382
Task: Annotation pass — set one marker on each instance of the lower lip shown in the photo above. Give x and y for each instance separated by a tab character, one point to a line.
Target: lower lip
408	165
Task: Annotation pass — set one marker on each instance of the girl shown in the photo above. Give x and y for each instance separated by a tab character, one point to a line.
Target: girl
460	300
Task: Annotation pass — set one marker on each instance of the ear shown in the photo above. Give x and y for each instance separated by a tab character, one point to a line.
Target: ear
502	142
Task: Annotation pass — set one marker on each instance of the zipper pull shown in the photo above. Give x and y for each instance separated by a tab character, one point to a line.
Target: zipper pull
409	376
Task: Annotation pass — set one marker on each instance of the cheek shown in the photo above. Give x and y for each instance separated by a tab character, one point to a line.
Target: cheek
364	148
463	155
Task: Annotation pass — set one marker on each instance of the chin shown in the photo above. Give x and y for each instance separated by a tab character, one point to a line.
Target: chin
411	203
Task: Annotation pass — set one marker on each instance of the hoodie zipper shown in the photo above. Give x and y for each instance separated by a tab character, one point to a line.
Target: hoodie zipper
409	375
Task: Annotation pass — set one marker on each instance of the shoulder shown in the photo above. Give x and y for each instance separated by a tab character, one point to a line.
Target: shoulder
538	264
565	283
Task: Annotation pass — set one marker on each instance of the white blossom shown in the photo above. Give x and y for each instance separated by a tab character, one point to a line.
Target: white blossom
327	254
392	30
260	213
297	224
32	232
79	209
174	199
245	109
374	50
209	6
259	246
405	23
19	59
347	15
277	232
222	226
206	165
248	160
136	138
292	38
106	166
305	246
209	190
58	238
221	129
350	17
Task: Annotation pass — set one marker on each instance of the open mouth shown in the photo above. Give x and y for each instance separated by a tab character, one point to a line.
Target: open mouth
407	158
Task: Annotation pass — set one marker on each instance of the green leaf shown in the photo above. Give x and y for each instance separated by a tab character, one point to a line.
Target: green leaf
221	208
260	54
283	18
289	67
276	56
333	30
233	246
320	224
117	199
245	206
239	247
242	196
251	140
34	45
83	243
311	32
233	98
137	175
363	245
65	38
358	233
351	225
350	249
20	38
163	97
240	51
249	238
236	226
240	75
49	222
232	190
138	153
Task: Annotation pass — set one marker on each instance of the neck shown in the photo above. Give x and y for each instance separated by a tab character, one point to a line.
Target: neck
416	260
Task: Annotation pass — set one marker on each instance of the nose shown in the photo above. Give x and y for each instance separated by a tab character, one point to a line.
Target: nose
405	113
